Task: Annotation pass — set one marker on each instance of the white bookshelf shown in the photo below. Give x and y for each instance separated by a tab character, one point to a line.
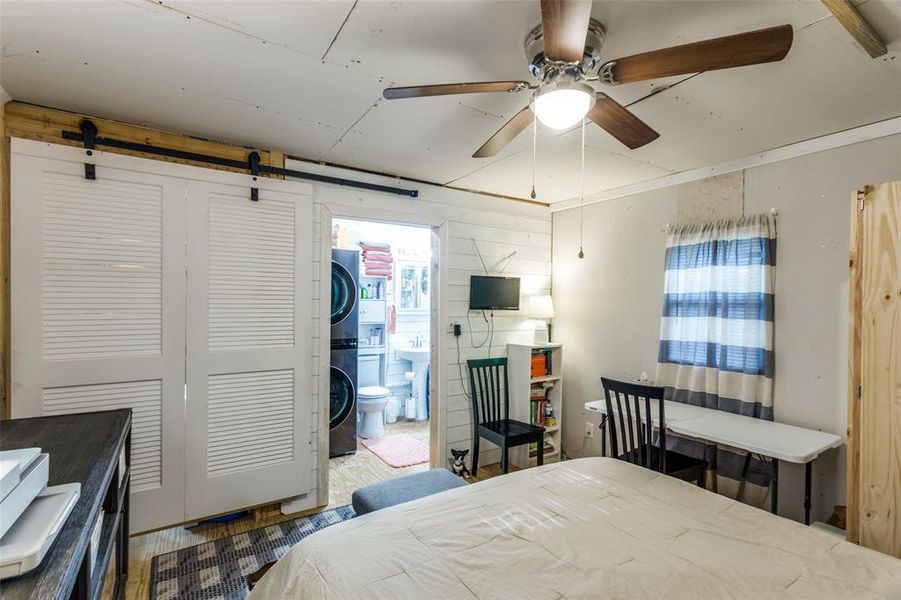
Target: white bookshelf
520	380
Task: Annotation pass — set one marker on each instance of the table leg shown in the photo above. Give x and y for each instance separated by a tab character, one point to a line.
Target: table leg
774	487
711	453
744	476
603	428
807	476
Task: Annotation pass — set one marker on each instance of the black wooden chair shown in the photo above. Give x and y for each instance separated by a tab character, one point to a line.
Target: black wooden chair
632	439
491	409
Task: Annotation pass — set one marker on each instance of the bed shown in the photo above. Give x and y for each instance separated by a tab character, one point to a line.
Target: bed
587	528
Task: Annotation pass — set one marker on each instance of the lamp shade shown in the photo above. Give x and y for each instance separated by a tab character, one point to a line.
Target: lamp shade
563	103
541	307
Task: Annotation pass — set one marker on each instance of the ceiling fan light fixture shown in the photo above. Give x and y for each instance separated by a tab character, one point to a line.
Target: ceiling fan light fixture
562	105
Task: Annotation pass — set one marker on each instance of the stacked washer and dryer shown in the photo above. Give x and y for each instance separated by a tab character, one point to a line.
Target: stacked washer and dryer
350	400
343	371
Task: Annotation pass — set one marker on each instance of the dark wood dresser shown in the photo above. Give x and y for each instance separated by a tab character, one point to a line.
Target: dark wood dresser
84	448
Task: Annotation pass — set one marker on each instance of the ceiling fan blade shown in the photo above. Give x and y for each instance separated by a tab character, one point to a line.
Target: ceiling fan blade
621	123
447	89
751	48
505	134
564	24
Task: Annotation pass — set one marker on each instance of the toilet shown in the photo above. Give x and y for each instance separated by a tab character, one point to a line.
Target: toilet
371	401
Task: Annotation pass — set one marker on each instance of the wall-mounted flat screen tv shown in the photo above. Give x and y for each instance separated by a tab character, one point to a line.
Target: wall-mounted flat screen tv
493	293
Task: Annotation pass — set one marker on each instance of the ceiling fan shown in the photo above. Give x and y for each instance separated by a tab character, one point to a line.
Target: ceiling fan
563	51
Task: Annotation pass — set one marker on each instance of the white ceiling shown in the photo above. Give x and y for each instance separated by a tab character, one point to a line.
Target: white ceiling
254	73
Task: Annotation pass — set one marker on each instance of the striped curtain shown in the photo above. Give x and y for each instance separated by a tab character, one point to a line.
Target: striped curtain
716	333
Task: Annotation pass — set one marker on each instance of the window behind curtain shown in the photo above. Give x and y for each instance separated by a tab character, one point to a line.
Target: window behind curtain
716	332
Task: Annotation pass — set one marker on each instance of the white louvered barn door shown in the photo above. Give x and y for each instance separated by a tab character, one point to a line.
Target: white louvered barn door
97	273
249	366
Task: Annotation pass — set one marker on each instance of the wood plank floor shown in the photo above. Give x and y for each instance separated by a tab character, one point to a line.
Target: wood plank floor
346	474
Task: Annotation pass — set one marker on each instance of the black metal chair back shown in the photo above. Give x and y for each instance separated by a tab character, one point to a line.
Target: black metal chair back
631	437
488	390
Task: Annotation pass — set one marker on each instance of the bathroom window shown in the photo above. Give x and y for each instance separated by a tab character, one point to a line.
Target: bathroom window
413	287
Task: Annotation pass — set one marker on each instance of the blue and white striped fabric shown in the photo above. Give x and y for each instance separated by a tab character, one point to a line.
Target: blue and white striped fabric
716	333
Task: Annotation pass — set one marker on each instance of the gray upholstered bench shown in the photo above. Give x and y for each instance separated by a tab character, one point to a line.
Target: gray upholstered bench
397	491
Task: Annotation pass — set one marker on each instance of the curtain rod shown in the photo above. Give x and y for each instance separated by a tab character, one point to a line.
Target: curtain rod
773	212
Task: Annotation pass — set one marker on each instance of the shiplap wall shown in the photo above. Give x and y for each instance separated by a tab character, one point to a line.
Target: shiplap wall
496	238
499	227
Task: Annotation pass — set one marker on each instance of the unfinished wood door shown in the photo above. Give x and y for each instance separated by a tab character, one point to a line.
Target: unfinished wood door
249	358
874	463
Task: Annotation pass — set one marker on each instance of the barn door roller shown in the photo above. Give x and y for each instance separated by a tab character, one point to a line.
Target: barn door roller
89	135
253	162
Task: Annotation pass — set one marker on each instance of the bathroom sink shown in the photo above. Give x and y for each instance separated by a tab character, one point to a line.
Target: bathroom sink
419	356
414	355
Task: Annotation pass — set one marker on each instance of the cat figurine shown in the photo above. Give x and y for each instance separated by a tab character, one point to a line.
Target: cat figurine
458	466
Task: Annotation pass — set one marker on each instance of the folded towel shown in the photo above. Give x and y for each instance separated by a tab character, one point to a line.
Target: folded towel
375	246
367	255
377	265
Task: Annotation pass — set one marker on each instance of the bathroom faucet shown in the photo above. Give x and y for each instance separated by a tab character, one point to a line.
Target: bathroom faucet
417	343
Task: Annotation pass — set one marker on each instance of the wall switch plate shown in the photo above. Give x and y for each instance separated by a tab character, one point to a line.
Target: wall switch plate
589	429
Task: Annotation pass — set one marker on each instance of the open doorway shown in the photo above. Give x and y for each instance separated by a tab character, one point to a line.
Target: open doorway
379	394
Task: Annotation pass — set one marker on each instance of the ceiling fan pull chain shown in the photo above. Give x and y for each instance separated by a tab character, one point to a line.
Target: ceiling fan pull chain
582	194
534	150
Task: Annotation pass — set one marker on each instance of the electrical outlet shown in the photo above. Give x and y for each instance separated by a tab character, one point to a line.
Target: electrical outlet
589	429
450	326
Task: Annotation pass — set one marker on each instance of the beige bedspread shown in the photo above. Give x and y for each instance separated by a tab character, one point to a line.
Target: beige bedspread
588	528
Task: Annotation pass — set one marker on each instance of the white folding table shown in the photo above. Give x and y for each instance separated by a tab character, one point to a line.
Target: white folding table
776	441
672	411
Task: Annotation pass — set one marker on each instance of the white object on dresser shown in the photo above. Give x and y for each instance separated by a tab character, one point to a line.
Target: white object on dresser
33	468
27	542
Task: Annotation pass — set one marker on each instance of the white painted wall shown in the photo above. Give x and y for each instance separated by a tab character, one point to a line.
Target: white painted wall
498	226
609	304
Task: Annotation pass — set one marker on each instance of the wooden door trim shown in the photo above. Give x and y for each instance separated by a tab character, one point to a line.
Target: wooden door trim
855	292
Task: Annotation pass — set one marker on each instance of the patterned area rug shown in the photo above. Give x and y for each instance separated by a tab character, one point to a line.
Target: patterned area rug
399	450
218	569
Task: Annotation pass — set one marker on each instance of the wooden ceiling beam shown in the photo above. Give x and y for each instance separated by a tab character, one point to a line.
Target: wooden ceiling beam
854	23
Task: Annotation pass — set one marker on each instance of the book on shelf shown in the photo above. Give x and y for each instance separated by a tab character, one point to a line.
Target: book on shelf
537	402
541	362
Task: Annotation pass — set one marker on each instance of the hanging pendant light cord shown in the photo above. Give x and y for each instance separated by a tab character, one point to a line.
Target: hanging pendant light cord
582	194
534	150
